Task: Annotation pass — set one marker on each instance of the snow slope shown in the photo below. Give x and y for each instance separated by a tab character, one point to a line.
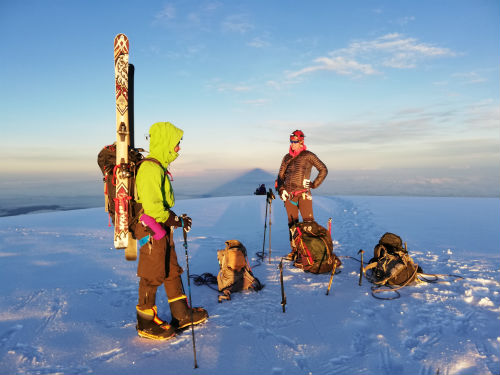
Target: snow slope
67	303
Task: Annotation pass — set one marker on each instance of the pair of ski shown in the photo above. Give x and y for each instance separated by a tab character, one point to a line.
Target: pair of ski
124	139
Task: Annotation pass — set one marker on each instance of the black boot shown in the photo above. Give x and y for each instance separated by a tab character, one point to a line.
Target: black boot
183	315
152	327
293	254
181	312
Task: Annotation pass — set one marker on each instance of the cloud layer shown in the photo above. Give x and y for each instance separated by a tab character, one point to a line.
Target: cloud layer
371	57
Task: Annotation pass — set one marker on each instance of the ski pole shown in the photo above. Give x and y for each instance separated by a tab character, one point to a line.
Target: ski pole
361	251
331	277
271	197
265	229
335	264
184	232
283	295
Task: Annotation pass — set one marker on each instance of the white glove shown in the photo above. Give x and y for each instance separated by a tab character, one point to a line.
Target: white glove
306	183
284	195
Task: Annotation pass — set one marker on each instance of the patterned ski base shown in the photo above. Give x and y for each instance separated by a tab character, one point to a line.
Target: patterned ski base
122	237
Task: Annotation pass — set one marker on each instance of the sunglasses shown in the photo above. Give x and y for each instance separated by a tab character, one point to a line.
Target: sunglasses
294	141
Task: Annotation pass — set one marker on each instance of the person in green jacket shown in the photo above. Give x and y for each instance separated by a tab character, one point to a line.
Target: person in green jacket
157	258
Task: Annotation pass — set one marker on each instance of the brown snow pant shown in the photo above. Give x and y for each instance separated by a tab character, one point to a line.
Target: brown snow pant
157	265
303	203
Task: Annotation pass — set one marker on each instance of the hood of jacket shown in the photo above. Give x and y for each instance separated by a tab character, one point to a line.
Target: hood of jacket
163	137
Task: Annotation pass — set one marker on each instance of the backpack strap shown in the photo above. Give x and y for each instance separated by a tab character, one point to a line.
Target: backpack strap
380	288
369	267
302	247
148	159
156	161
135	218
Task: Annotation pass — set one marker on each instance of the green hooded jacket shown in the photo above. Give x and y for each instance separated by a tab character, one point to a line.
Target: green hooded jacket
154	190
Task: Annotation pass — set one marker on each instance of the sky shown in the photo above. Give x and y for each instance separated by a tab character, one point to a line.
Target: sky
381	89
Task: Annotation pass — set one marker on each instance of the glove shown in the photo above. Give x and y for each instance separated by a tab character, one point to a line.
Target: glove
306	183
284	195
173	220
186	222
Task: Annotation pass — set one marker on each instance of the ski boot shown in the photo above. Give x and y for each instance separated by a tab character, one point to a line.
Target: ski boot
292	255
151	327
181	313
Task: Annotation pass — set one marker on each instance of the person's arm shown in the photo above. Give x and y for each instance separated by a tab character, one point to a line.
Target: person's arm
322	169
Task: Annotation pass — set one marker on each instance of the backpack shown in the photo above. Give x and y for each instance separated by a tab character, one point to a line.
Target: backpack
106	160
235	275
391	264
314	248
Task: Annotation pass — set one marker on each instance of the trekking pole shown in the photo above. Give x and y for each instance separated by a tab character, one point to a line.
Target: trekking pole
265	228
189	290
271	196
270	223
361	251
335	264
331	276
283	295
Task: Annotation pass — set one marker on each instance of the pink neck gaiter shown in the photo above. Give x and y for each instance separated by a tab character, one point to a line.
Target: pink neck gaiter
295	153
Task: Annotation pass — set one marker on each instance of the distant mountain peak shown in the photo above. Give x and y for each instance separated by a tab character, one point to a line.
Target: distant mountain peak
245	184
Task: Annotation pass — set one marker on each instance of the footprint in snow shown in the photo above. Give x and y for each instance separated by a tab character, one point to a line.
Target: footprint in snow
427	370
341	365
359	343
27	354
490	352
109	355
7	335
388	362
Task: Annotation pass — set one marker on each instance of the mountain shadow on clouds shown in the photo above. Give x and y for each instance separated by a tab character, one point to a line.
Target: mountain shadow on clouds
246	184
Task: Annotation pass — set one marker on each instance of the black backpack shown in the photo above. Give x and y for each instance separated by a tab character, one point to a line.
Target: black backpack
106	160
314	248
391	264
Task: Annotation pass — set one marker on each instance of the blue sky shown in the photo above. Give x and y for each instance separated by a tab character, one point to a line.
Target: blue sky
375	85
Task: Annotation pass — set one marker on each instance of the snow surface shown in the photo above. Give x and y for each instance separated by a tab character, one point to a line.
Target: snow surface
68	298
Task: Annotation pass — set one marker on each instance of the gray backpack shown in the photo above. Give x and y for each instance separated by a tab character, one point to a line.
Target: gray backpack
391	264
235	275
